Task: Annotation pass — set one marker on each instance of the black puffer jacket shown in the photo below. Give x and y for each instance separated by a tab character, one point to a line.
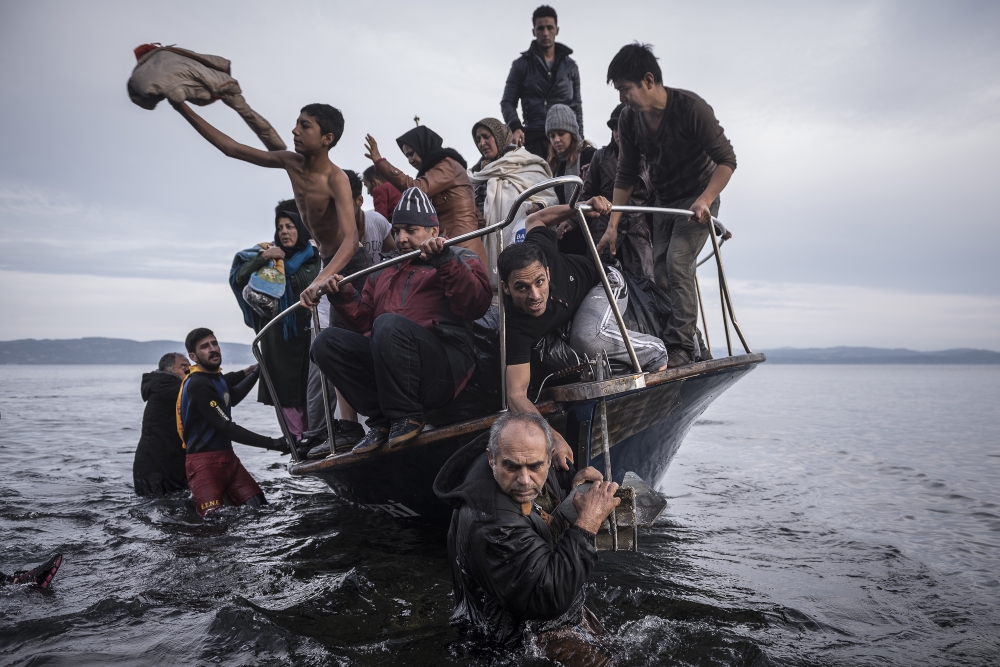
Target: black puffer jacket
509	569
538	88
158	468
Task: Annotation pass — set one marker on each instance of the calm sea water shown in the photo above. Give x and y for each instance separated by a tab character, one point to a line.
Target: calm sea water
819	515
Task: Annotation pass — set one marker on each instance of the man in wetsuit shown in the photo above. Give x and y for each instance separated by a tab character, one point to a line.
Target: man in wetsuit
517	563
40	575
204	420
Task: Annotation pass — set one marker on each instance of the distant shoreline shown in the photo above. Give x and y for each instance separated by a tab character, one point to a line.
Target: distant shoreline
81	351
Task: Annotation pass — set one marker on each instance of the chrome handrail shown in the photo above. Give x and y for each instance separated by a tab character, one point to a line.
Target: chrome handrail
727	302
255	345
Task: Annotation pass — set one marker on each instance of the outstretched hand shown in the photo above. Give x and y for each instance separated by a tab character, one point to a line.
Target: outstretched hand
311	295
562	453
608	241
371	146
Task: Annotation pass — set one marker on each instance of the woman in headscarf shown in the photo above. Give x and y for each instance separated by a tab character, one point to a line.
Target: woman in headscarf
501	175
570	155
441	175
286	347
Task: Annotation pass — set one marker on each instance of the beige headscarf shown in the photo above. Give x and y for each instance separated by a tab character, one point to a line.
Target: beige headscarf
501	134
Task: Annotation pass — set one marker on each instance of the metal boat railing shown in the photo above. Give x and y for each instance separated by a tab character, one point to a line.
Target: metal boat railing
496	227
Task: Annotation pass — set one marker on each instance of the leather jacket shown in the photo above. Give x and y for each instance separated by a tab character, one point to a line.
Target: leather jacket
538	88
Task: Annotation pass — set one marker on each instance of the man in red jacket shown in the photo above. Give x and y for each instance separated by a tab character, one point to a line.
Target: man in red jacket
410	347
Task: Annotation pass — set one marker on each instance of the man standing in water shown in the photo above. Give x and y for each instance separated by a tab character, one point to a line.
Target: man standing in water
205	423
321	189
517	563
690	162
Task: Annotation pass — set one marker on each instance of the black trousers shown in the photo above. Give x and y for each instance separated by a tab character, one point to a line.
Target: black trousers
400	371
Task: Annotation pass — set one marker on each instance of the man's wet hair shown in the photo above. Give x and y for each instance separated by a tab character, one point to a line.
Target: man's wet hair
371	175
286	206
168	360
329	119
355	181
632	62
196	336
518	256
508	418
544	11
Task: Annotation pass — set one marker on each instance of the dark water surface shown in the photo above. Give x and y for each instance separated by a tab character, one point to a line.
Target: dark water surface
819	515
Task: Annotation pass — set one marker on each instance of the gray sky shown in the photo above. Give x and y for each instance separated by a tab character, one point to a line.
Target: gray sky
866	134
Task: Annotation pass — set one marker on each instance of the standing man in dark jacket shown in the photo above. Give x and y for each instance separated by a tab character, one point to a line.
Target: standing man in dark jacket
690	162
518	564
158	468
410	347
544	75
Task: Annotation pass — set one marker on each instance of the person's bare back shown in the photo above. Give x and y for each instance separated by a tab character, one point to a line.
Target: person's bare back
321	189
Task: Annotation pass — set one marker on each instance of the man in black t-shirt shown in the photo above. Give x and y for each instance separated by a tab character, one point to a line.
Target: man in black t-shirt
543	290
205	423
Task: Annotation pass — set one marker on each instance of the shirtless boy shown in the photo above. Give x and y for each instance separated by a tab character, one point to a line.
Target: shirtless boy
322	191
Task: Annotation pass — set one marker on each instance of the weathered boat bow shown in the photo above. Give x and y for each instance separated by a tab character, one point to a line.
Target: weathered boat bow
631	423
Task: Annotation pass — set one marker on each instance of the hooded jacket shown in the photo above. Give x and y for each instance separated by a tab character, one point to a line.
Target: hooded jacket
538	88
444	295
508	569
158	468
443	178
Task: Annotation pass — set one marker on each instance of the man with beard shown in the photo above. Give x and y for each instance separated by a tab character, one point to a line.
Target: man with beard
205	423
517	563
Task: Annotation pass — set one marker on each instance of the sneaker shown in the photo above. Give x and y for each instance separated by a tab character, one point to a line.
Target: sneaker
320	451
405	429
42	575
348	433
375	438
677	357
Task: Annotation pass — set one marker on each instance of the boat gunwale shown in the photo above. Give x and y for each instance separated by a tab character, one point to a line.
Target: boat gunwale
586	392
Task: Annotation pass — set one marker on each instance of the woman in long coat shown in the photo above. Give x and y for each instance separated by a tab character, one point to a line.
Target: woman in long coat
285	348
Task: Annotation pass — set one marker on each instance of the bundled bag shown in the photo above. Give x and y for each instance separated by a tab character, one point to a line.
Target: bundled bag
179	75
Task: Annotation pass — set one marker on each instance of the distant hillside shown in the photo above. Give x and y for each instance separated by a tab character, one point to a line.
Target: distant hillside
106	351
876	355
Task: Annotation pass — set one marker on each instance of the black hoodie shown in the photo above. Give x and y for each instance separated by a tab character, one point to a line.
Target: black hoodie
158	468
509	569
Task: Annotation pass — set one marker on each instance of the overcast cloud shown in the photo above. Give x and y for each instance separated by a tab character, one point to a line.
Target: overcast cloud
866	133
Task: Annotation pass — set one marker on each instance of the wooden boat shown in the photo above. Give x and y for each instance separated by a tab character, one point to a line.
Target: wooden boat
647	414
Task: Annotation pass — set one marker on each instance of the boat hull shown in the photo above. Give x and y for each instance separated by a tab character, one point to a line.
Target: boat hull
646	427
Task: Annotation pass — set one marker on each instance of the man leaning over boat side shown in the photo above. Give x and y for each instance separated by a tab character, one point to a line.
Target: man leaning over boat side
544	291
690	163
205	423
410	347
517	563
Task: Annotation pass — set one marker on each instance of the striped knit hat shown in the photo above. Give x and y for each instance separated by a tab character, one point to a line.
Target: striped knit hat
415	208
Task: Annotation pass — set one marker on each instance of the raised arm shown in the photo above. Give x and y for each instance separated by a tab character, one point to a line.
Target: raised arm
229	146
553	215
